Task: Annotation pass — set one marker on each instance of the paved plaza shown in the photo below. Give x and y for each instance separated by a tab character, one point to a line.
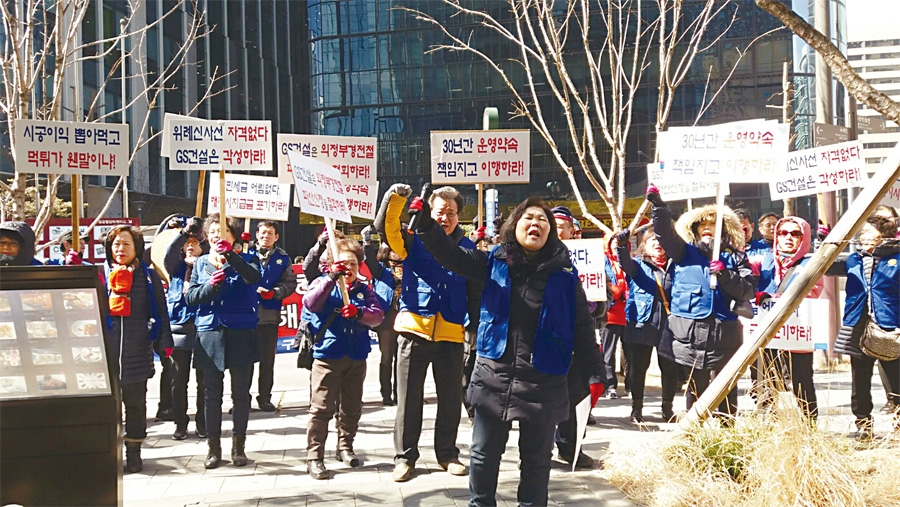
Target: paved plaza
174	475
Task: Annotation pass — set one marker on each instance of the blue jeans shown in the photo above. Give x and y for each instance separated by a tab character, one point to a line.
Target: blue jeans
241	376
489	437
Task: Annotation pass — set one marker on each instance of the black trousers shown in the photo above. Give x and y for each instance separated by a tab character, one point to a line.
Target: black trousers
609	337
268	341
181	369
165	384
413	357
214	380
387	344
698	381
861	384
639	357
800	365
134	397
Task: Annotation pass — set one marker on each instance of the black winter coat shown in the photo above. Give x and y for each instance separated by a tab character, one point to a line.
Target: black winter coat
510	388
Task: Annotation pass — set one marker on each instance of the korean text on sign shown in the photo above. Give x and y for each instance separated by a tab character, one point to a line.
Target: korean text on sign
201	145
820	169
589	260
258	197
800	333
740	152
99	149
319	188
675	189
478	156
355	157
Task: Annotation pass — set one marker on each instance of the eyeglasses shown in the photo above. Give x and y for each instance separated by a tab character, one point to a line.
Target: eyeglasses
8	243
451	215
392	262
793	234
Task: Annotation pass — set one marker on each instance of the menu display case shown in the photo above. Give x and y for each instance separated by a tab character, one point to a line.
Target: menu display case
60	415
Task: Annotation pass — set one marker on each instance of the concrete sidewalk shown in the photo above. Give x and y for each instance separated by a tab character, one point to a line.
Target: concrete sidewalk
174	474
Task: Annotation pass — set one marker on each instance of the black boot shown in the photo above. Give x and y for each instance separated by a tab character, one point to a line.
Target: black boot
214	457
133	462
238	458
200	423
667	414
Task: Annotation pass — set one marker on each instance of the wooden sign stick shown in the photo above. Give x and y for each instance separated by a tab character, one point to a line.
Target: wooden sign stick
223	223
201	187
717	239
332	242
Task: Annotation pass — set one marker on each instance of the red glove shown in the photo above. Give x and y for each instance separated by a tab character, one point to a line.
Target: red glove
716	266
652	195
223	246
324	236
73	259
217	278
416	205
596	393
349	311
168	351
822	231
245	236
762	296
337	270
269	294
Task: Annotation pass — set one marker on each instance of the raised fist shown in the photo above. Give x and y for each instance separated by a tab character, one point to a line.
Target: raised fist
401	189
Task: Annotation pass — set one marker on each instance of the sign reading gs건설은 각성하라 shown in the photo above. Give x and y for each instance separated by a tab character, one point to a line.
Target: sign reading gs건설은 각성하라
206	145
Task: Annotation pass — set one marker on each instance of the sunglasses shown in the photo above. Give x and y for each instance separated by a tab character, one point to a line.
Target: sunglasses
795	234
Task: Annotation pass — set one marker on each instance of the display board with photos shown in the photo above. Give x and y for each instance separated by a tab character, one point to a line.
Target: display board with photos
51	344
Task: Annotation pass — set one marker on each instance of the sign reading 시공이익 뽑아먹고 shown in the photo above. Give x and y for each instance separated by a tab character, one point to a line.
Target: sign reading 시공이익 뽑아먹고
480	156
355	157
258	197
195	144
63	147
319	188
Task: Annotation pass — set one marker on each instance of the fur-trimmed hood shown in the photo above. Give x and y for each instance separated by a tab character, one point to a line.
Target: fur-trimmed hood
686	222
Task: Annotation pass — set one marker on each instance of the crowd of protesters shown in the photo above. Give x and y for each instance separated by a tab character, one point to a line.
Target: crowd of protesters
504	314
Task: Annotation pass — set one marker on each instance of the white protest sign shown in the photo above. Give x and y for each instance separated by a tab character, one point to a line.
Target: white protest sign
167	127
589	258
204	145
740	152
257	197
64	147
355	157
804	328
319	188
819	170
892	197
676	189
480	156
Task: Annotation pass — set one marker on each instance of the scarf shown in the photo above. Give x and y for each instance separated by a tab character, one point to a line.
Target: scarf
119	285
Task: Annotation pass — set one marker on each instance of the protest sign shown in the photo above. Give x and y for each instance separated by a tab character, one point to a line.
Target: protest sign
355	157
892	197
257	197
800	333
479	156
57	147
589	258
678	188
740	152
319	188
819	170
164	148
202	145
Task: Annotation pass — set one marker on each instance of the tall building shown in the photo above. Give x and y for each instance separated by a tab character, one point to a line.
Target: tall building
878	62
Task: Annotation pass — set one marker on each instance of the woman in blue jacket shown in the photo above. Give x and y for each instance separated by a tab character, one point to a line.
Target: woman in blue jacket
534	319
181	255
703	330
872	293
650	275
223	285
339	357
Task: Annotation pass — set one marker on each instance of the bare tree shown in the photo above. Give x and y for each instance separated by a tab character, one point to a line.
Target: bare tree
615	39
42	39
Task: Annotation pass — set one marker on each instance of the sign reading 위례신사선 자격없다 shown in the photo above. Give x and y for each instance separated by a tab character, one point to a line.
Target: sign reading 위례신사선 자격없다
259	197
319	188
355	157
818	170
64	147
195	144
589	259
480	156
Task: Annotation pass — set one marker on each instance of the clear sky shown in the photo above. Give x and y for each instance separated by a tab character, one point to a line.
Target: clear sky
873	19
